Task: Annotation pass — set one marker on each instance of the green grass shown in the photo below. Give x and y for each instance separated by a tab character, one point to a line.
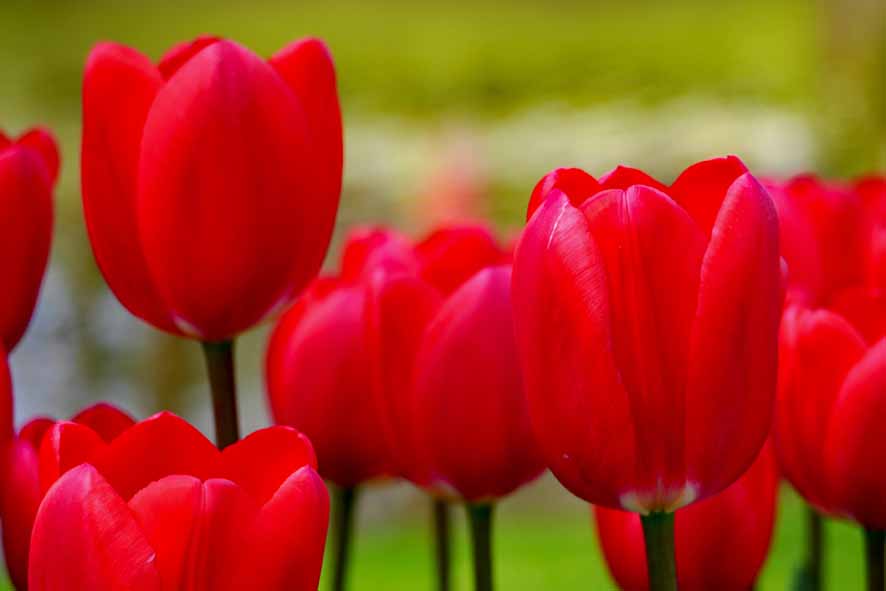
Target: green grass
553	546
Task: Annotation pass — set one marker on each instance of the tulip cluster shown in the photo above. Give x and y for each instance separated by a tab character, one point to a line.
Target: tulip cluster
644	341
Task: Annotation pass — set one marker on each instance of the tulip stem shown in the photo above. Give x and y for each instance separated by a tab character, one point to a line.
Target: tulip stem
658	532
875	550
220	366
480	515
344	503
811	572
441	542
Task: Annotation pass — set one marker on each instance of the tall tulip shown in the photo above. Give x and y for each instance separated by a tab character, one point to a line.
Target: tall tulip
161	508
647	319
469	405
28	170
211	182
721	542
36	457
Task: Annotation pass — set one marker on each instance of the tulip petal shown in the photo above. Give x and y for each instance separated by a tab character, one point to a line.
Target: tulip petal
854	448
470	397
263	460
25	236
179	54
34	430
284	548
319	376
651	251
397	310
105	419
18	506
367	248
816	352
198	529
450	256
225	194
160	446
85	537
732	374
119	85
42	140
578	406
623	177
65	446
306	66
701	188
575	183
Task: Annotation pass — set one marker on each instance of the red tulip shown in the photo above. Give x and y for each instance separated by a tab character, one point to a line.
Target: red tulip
339	362
832	380
210	180
871	191
647	321
819	236
469	406
342	366
30	470
160	507
28	170
721	542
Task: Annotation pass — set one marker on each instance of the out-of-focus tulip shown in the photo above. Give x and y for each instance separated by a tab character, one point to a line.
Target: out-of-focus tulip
647	320
820	241
832	380
211	180
339	363
28	170
721	542
470	406
34	459
160	508
871	191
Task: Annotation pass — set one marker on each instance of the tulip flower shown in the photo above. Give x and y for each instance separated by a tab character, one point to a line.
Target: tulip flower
341	366
721	542
159	507
34	460
832	380
211	183
28	170
831	242
647	319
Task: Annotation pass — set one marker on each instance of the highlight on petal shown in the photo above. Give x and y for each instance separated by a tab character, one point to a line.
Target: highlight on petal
85	537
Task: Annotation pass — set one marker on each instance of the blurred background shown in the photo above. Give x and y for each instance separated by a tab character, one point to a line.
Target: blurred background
455	109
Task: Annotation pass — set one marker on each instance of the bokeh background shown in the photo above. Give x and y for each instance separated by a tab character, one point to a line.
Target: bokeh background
455	109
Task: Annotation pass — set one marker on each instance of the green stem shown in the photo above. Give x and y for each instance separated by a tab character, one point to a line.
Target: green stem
814	566
344	503
480	516
220	366
658	531
442	543
875	552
